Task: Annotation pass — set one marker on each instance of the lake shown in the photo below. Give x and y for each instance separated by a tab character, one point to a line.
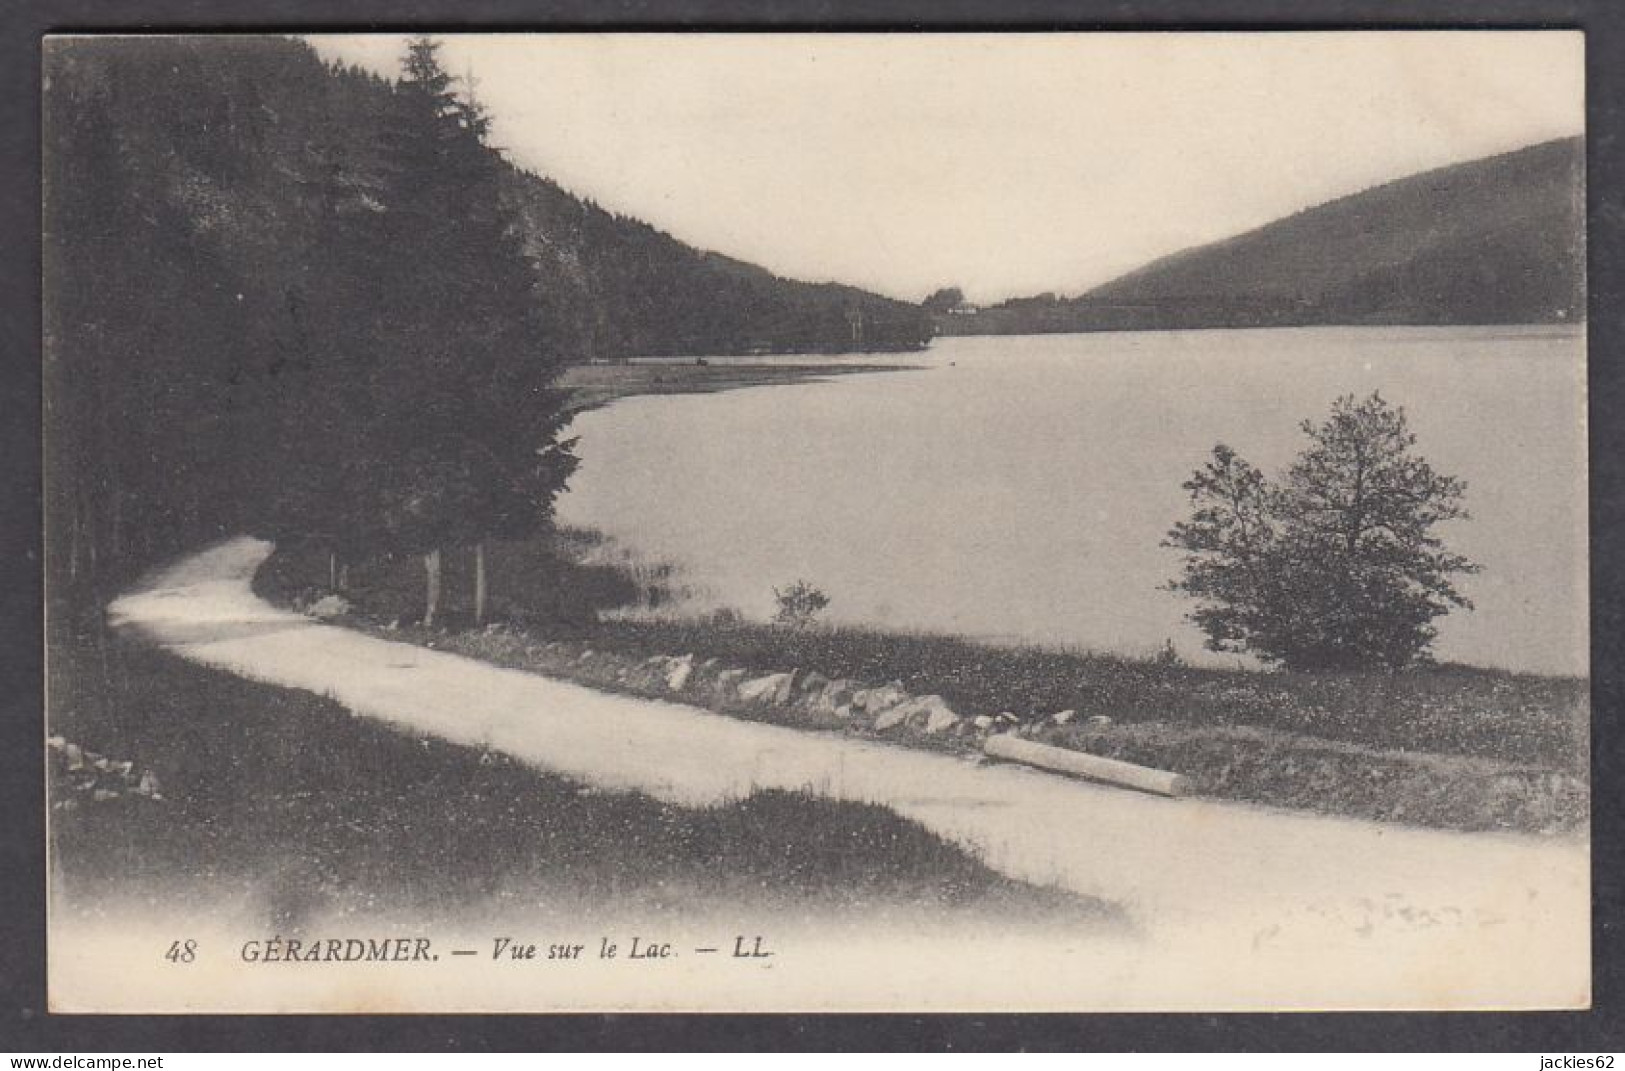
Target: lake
1017	488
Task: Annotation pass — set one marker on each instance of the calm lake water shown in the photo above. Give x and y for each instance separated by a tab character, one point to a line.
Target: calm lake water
1018	488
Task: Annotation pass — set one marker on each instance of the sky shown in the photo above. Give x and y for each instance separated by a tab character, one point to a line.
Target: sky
1002	164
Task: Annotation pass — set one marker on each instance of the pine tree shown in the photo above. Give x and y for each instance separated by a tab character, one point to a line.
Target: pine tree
469	421
144	333
331	317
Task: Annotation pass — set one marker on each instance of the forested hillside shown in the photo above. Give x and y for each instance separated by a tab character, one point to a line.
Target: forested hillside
1497	240
627	288
310	302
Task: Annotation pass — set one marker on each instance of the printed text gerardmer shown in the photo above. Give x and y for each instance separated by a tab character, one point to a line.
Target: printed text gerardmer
339	950
280	949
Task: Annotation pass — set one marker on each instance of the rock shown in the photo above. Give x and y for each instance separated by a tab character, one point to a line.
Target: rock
681	670
840	692
394	625
55	743
845	712
584	655
927	713
879	700
1100	721
983	721
729	679
328	606
932	715
774	688
76	757
1008	718
1063	716
830	698
709	663
812	683
890	718
148	785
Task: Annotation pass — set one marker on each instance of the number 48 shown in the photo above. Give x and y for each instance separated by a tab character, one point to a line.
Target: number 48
181	951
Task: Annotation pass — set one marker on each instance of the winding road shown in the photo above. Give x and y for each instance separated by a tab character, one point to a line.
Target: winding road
1236	906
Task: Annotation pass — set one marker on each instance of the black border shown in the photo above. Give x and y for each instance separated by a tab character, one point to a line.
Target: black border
24	1025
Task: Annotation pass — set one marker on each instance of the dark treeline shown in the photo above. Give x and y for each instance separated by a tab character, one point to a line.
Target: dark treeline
311	303
287	301
629	289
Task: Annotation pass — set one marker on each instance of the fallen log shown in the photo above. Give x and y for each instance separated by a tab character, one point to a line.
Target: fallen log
1061	760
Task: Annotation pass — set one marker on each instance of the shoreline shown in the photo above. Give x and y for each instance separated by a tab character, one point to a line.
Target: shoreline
1449	748
595	385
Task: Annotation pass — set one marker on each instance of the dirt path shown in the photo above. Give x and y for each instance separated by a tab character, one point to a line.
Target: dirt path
1285	909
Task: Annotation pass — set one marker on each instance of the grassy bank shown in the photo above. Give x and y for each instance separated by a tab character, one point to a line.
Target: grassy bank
592	385
1450	747
239	792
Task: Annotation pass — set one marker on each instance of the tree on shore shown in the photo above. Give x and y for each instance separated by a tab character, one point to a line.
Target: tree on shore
274	287
1337	565
466	418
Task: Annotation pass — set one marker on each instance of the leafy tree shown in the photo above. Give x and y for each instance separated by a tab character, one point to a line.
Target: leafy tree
1337	565
945	300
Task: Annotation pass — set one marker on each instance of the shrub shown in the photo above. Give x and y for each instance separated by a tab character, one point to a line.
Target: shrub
799	604
1337	564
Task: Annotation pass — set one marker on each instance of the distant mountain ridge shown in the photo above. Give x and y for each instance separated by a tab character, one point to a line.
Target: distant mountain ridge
1494	240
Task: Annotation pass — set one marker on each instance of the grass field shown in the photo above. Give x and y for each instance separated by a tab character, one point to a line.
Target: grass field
285	800
1448	746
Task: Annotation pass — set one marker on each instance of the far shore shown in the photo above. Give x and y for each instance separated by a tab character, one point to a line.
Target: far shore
593	385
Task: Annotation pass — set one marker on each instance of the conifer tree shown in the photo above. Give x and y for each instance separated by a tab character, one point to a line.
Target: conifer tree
468	420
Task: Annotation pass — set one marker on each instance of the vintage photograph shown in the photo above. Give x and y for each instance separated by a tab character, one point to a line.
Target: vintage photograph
1053	522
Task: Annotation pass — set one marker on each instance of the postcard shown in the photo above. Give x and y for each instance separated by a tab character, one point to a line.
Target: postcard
816	522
